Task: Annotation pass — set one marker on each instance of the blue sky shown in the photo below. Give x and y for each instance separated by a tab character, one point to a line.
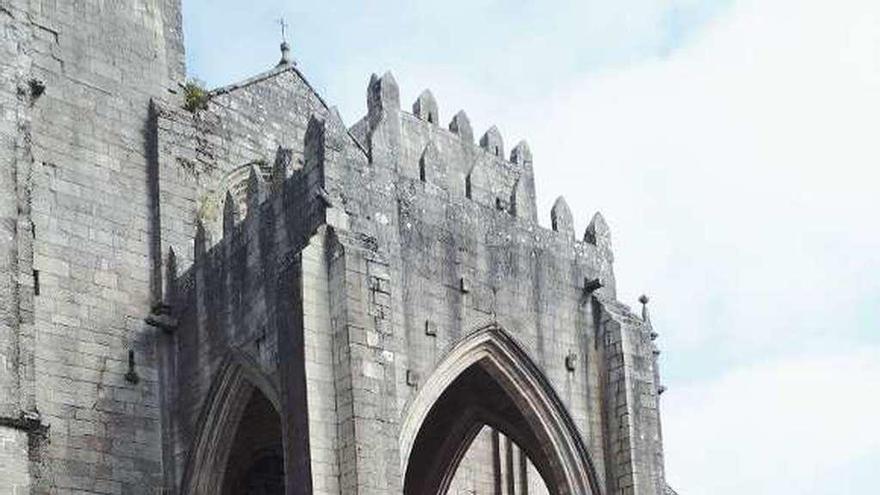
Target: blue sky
731	144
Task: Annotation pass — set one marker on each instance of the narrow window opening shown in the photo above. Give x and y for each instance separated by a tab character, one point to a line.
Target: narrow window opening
467	187
431	118
36	275
422	172
497	151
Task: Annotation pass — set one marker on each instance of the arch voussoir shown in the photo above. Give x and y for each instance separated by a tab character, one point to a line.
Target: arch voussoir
487	378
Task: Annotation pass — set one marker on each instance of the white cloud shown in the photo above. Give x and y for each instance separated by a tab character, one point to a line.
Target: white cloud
788	427
745	164
740	177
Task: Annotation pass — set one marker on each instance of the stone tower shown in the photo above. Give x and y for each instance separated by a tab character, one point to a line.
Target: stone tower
234	292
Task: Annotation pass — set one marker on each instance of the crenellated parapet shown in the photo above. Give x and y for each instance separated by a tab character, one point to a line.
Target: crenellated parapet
481	172
400	147
388	146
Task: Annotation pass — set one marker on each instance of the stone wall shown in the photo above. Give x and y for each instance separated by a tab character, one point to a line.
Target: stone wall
14	470
428	235
84	73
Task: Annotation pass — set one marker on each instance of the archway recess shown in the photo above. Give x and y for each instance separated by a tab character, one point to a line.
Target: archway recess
488	379
241	409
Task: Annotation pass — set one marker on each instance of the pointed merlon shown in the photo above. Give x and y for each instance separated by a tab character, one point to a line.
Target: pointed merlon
521	154
255	191
425	107
599	235
561	217
383	96
230	214
428	161
492	142
461	125
597	230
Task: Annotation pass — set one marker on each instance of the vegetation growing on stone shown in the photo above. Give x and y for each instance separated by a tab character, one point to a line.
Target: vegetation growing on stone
195	96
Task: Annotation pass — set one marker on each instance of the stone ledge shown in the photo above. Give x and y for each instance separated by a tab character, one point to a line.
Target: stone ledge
29	423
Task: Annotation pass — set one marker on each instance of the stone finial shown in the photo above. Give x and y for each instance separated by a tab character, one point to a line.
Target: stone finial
383	96
561	218
461	125
200	243
230	214
285	55
285	47
644	300
425	107
492	142
255	191
281	166
521	154
428	161
599	235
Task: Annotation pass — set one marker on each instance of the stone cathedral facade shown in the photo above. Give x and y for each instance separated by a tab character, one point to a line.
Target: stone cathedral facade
234	292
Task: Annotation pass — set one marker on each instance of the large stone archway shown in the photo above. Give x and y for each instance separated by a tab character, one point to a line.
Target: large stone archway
488	379
242	409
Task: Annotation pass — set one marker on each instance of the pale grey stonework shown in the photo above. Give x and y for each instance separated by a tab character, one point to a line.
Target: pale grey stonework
253	295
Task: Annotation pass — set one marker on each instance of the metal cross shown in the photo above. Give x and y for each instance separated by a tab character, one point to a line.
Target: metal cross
283	25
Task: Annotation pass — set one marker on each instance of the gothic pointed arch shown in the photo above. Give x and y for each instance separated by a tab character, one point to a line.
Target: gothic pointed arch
489	379
238	387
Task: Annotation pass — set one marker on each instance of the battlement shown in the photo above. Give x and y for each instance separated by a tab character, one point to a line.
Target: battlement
448	158
406	157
